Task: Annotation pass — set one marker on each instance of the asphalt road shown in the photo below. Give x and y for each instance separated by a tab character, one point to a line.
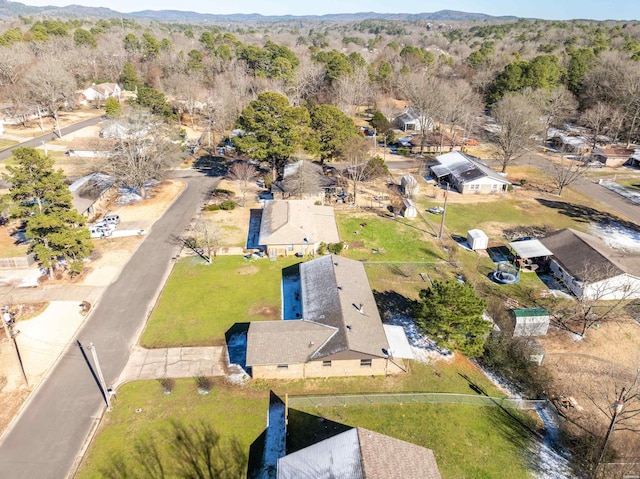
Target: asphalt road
49	434
590	187
37	141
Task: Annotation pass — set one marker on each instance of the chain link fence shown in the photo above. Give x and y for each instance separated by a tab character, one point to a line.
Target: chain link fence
410	398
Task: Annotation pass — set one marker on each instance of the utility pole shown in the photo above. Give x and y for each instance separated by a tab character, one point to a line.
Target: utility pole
444	212
618	405
11	335
103	384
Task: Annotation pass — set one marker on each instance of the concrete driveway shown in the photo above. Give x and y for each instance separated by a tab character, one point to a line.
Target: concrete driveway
173	363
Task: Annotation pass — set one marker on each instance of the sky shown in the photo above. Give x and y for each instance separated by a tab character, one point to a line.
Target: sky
546	9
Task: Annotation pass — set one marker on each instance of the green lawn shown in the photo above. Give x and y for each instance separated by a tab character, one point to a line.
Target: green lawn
200	302
399	240
469	441
232	411
633	183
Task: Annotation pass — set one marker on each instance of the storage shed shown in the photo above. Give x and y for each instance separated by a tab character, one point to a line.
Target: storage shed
530	321
409	185
409	209
476	239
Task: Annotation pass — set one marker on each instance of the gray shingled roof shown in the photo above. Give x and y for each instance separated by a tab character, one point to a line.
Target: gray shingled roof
291	221
334	291
465	168
360	454
86	190
580	254
284	342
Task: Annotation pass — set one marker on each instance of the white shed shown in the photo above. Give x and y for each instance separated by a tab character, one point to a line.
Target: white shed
531	321
476	239
409	209
409	185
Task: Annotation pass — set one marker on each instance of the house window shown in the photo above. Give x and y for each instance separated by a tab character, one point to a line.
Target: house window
326	364
494	186
474	187
365	363
289	247
283	366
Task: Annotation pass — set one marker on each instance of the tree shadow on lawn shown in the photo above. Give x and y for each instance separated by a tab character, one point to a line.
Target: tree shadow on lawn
585	214
391	302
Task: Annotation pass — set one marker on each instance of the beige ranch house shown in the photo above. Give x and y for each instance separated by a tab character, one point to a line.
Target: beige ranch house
290	227
340	333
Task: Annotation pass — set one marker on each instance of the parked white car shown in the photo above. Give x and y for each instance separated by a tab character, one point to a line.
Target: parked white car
99	231
103	224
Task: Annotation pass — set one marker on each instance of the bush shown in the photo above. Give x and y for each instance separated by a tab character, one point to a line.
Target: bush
204	384
335	248
403	151
167	384
322	249
223	192
228	205
211	208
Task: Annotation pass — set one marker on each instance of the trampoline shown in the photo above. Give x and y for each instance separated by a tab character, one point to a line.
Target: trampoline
506	273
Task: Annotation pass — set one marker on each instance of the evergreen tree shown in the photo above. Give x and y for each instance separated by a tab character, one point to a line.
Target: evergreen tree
112	107
330	130
451	313
273	129
43	200
129	77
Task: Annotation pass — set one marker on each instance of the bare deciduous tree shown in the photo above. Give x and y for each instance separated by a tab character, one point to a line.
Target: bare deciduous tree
305	180
518	121
244	174
307	81
356	154
51	84
597	117
557	105
566	173
424	92
143	150
352	91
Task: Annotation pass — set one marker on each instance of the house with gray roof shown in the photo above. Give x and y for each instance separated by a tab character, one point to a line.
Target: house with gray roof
590	268
296	227
340	332
92	194
360	454
468	174
411	120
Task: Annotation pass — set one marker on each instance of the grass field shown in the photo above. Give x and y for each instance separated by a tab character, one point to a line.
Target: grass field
387	240
464	438
200	302
232	411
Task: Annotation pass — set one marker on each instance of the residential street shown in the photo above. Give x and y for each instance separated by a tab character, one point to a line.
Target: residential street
37	141
45	441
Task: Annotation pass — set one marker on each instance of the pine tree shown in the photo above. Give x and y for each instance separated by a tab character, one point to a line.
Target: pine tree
451	313
42	199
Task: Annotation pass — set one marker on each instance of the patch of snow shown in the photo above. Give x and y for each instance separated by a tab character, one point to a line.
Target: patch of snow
548	461
617	236
424	348
631	195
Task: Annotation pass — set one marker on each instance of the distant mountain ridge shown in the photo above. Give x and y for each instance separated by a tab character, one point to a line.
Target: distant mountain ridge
13	9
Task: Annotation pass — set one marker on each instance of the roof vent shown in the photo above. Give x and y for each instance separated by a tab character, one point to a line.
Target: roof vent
360	308
348	326
311	343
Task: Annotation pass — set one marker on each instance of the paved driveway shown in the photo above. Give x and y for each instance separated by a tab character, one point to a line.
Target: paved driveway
173	363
